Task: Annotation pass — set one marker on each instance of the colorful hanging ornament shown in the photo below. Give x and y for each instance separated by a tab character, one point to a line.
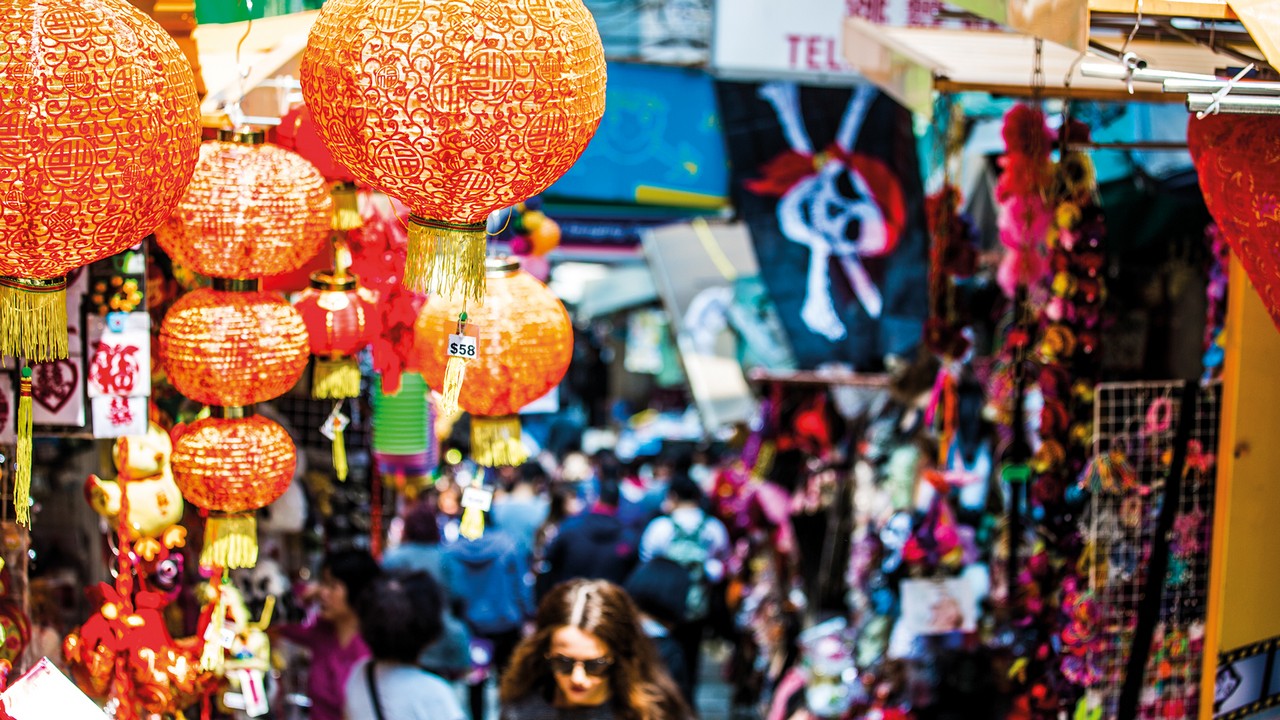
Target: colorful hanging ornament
457	108
252	209
339	316
404	443
99	134
233	348
231	465
22	469
1237	159
524	345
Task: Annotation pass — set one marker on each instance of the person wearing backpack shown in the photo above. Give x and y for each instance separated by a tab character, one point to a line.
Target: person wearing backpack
489	575
699	543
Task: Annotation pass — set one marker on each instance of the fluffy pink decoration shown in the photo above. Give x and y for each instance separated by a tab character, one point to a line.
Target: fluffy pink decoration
1020	267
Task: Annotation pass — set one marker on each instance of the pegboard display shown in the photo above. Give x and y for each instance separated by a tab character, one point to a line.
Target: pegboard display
1134	435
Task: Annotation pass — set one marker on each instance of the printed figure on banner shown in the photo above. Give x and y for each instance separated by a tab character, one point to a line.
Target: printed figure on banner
839	227
120	359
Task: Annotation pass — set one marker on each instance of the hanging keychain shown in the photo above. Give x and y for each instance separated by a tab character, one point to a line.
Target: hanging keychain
476	500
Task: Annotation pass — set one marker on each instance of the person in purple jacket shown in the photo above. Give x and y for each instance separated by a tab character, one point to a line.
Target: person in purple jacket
333	636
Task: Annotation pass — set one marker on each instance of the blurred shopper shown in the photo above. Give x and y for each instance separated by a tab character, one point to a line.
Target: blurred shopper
521	508
594	545
562	506
588	659
659	589
420	551
489	575
333	637
699	543
399	618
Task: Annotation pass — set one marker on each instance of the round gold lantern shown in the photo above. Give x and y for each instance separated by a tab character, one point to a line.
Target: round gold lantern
457	108
524	345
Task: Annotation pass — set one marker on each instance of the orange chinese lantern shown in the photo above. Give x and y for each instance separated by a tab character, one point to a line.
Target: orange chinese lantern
232	464
524	342
457	108
232	348
99	131
252	209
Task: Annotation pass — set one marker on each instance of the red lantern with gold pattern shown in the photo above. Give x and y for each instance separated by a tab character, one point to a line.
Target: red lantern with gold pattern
231	465
99	134
340	316
457	108
524	342
252	209
232	348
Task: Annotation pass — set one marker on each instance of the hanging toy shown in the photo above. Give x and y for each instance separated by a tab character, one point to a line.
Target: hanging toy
333	428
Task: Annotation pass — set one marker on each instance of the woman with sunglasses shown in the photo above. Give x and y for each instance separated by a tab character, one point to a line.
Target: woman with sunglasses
589	659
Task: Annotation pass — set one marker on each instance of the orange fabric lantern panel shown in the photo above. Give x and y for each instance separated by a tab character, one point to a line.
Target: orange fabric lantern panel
232	466
458	108
252	210
232	349
99	135
524	346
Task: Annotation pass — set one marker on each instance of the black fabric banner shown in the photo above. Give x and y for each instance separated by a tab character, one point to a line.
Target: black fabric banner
828	182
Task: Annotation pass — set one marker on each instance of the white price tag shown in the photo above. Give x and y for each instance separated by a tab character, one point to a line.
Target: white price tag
227	637
335	423
463	346
254	691
478	498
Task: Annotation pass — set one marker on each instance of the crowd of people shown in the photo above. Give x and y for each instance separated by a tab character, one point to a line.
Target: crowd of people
584	598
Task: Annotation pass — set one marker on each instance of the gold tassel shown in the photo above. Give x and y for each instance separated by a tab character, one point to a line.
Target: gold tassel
495	441
335	379
33	318
455	371
339	456
230	541
471	526
346	207
22	473
446	259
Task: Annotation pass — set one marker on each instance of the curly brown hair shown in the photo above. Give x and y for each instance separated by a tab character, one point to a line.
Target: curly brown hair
639	685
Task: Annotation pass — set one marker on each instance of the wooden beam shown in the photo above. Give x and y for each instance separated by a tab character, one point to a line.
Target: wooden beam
1201	9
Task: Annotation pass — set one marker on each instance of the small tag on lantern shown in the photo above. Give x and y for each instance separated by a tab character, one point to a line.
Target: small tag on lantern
462	346
335	423
478	498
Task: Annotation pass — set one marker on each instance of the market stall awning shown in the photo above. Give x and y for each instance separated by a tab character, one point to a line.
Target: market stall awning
910	63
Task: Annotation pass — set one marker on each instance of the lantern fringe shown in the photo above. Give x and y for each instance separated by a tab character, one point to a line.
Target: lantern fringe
346	209
335	379
230	541
471	526
22	473
445	259
455	371
33	319
495	441
340	456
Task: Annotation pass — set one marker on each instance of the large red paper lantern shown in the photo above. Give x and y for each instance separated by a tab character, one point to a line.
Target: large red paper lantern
232	466
1238	160
231	348
99	131
252	209
458	108
524	345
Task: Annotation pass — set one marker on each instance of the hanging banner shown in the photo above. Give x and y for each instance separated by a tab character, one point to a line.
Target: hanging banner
828	182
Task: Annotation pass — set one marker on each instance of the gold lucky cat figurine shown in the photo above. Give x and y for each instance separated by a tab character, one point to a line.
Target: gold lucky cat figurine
155	503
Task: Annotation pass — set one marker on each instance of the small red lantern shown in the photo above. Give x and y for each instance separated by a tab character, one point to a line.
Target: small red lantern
232	464
232	348
339	315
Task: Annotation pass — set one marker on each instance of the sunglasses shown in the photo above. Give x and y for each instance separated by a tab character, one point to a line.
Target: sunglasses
595	667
